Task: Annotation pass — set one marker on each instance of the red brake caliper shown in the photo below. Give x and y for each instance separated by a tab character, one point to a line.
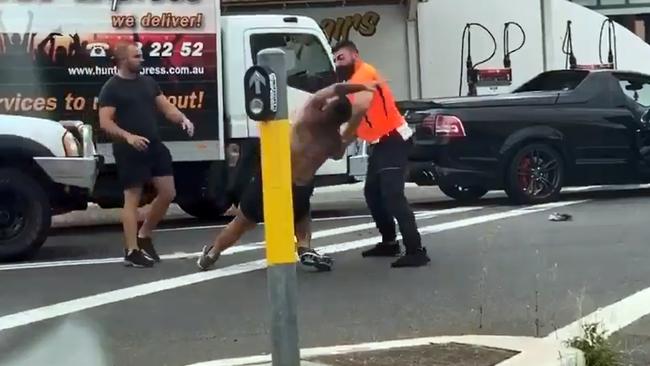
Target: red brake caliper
524	173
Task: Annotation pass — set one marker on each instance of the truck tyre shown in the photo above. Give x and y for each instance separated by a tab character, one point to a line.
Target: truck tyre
463	194
25	215
535	174
204	209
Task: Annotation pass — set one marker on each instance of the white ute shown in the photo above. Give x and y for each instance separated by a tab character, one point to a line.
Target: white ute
46	168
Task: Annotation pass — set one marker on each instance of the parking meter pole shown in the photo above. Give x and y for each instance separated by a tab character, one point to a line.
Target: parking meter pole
278	217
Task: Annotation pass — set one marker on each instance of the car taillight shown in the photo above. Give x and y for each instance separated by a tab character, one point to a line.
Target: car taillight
444	125
430	122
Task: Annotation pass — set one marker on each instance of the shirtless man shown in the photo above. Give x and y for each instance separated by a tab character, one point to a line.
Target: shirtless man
315	137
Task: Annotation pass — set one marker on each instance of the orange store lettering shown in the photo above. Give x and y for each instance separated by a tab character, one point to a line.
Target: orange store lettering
339	29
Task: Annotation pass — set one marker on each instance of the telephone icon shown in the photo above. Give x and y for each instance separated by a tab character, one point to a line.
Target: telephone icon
97	49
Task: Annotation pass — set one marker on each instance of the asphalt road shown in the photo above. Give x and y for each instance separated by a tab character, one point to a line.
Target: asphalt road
496	269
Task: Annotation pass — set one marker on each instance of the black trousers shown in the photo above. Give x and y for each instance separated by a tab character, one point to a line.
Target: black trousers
384	190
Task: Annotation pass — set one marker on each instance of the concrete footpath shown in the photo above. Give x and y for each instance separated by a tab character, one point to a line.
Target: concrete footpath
432	351
633	343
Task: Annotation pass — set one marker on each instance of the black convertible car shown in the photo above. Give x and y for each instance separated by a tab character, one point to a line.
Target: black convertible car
562	128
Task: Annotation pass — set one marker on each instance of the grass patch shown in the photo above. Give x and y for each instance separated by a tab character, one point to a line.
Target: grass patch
597	349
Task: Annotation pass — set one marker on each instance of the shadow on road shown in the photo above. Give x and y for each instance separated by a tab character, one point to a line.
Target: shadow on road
611	194
436	204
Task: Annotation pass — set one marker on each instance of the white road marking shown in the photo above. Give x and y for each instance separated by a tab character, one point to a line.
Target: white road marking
53	347
611	318
85	262
320	219
351	187
533	350
189	228
68	307
371	225
622	187
233	250
358	187
431	229
580	189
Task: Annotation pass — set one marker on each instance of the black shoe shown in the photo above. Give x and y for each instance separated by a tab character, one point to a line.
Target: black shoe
383	250
414	259
146	245
309	257
137	259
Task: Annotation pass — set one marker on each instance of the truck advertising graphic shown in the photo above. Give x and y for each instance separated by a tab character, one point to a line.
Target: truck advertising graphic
54	59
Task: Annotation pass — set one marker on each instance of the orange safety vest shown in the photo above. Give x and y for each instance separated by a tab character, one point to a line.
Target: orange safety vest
383	116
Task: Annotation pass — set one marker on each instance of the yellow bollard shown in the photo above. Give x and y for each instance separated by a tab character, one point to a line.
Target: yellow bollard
278	207
266	100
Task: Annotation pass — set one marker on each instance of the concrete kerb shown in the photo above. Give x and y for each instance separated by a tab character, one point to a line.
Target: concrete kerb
533	351
95	215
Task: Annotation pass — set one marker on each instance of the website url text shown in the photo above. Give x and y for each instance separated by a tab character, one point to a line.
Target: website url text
102	71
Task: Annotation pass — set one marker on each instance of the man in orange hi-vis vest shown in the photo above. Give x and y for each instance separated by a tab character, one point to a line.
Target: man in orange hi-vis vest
376	120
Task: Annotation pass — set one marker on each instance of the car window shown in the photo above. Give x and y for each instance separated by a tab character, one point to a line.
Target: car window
554	81
309	66
636	88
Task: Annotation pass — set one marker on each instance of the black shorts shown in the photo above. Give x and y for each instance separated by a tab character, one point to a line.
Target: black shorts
135	168
252	200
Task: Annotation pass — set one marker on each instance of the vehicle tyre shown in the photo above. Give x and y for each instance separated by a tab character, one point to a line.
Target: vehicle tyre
25	215
461	193
204	209
535	174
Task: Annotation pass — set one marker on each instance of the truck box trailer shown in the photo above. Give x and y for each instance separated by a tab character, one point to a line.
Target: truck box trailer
55	57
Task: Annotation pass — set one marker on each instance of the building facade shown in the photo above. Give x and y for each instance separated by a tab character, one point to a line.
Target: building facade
380	28
632	14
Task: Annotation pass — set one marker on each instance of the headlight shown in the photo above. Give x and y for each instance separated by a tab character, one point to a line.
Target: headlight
71	145
87	140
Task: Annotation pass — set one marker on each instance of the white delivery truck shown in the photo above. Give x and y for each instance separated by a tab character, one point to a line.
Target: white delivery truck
55	57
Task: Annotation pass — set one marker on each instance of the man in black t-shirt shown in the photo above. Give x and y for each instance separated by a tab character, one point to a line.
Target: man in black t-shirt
128	108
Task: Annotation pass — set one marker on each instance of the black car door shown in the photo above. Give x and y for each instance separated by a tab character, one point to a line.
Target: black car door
606	140
636	91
